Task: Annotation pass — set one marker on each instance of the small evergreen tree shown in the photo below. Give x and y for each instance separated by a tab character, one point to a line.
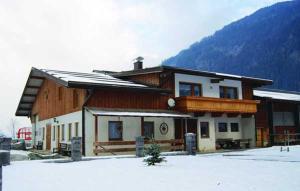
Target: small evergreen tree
153	155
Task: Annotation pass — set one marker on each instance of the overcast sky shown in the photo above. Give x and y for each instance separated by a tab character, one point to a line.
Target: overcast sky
92	34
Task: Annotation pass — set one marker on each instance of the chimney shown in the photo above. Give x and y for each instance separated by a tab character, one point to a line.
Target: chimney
138	63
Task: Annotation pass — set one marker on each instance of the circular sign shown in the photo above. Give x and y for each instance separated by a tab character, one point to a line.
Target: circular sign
163	128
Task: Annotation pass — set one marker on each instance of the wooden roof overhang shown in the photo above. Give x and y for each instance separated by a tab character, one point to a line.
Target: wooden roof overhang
37	77
255	82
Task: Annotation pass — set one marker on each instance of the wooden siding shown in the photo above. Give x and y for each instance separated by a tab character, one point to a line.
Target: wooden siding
151	79
55	100
127	99
247	91
205	104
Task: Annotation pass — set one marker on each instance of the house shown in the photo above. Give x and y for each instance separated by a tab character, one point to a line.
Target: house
278	114
111	108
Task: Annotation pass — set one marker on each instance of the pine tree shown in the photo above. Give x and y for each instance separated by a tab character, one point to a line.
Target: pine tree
153	153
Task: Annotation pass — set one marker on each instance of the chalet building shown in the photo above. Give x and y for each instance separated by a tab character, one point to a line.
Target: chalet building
278	114
112	108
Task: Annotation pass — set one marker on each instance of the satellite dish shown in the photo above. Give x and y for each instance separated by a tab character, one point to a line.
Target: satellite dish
171	102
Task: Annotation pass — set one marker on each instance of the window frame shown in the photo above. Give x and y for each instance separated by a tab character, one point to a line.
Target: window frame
238	127
152	123
226	125
193	85
115	139
208	134
225	89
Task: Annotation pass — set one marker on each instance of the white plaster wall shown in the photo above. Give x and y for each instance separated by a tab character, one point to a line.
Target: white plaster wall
207	144
89	133
63	119
157	123
249	129
228	134
208	89
132	127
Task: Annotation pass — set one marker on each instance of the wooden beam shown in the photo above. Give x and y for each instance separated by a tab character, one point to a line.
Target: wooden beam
26	102
30	95
142	126
96	128
270	109
33	87
230	115
199	114
216	114
37	77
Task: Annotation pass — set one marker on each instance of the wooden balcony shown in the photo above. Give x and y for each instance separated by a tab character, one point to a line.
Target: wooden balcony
220	105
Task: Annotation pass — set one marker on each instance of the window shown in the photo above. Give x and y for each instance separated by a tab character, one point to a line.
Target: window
283	119
115	130
222	127
76	129
53	133
234	127
204	129
70	131
60	93
228	92
189	89
75	99
62	132
148	130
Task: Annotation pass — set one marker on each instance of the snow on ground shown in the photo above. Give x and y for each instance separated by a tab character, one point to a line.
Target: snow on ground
18	155
257	169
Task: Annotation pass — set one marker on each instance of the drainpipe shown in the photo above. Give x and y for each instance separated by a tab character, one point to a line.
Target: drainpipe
90	92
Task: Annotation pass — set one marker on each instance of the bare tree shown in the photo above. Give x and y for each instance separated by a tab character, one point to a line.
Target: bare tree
13	127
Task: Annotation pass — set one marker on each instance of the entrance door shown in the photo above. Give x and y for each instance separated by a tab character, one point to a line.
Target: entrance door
179	128
48	137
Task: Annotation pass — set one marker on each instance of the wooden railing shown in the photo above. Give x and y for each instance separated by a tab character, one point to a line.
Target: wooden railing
127	146
205	104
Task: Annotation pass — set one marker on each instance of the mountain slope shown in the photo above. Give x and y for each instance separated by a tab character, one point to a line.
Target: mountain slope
265	44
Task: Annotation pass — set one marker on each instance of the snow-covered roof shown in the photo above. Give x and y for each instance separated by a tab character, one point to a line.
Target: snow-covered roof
279	95
116	112
90	78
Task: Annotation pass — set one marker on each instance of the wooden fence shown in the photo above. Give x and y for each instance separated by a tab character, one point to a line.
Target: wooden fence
128	146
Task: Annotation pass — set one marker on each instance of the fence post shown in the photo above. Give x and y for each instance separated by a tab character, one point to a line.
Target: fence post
190	139
76	149
139	146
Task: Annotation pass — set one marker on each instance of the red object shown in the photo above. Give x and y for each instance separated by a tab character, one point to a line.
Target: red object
24	133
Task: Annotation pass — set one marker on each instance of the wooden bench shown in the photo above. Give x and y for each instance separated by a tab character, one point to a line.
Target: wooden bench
129	146
230	143
64	149
245	142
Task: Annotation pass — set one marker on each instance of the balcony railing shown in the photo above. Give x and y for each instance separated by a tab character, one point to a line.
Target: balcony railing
205	104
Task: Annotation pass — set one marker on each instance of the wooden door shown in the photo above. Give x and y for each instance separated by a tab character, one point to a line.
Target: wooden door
179	128
48	137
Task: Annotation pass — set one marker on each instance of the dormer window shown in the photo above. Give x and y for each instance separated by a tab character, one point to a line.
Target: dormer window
228	92
190	89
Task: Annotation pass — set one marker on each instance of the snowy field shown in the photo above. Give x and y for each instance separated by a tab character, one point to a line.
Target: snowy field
258	169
